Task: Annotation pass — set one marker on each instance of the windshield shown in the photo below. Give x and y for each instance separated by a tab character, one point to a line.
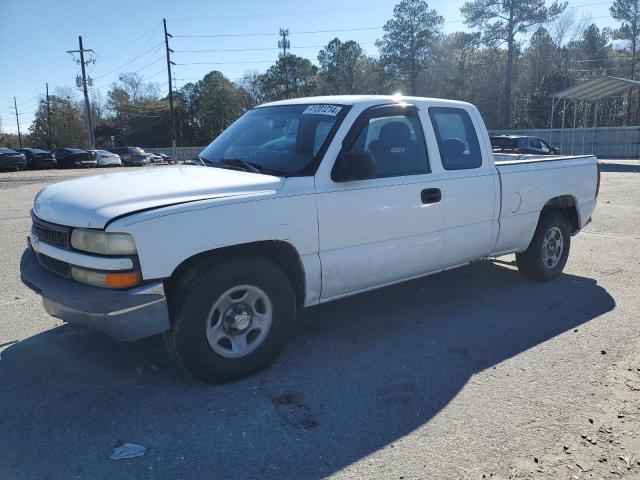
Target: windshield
283	140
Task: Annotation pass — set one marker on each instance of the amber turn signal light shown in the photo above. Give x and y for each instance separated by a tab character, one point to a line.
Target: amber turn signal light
122	280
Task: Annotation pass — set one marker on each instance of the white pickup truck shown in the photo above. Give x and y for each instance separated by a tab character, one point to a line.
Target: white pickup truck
308	200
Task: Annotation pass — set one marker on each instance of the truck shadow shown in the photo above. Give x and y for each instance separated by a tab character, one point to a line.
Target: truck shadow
359	375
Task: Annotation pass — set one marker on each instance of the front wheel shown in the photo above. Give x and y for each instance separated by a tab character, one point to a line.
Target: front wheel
549	249
230	319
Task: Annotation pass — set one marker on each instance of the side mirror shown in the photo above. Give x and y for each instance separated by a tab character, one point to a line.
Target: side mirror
354	166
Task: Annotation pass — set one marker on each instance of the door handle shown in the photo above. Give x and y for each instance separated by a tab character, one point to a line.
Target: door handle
431	195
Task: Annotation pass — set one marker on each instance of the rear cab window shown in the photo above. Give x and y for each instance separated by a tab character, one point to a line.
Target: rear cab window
456	137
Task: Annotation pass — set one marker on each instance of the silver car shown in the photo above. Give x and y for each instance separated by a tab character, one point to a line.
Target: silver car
154	157
107	159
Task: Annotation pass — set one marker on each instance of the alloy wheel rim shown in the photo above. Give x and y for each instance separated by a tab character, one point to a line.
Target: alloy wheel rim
239	321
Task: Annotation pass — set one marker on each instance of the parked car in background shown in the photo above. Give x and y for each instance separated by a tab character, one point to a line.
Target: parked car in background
165	157
12	160
198	162
74	157
523	144
131	156
154	157
107	159
38	158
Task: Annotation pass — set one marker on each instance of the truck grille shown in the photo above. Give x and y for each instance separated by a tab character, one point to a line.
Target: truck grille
53	235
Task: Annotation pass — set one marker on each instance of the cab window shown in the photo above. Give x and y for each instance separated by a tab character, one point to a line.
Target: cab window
396	142
456	137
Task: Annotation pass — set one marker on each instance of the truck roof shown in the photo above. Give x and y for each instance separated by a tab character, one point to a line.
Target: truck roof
354	99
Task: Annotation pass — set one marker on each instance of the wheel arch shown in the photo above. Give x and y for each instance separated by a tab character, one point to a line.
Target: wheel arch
280	252
568	205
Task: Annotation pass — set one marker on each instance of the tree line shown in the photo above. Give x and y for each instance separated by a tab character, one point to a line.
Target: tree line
517	54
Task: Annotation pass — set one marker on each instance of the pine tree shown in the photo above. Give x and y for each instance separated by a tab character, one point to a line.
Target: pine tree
408	41
501	21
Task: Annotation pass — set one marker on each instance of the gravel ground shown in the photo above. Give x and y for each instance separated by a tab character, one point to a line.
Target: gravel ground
473	373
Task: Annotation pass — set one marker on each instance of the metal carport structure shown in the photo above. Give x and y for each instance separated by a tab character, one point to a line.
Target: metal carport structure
588	92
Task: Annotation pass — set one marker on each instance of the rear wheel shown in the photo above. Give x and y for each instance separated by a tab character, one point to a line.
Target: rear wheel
230	319
549	249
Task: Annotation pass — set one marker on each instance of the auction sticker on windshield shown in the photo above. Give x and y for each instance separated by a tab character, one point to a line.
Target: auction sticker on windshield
322	110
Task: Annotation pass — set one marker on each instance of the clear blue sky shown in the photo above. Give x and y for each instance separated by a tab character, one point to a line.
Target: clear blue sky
127	36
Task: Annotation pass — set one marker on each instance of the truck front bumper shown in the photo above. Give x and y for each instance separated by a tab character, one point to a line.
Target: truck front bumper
122	314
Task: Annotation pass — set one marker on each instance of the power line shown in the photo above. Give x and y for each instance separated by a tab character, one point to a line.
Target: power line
131	42
282	14
258	49
272	34
137	71
225	63
149	77
28	99
310	32
153	48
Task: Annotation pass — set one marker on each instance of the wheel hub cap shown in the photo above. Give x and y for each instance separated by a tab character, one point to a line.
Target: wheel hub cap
552	247
238	320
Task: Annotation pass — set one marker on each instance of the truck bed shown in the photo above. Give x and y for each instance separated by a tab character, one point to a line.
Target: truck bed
529	181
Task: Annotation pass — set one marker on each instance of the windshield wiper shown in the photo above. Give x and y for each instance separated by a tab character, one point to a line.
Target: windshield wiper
239	163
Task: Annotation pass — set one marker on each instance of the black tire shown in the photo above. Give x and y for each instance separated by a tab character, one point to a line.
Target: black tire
193	297
531	262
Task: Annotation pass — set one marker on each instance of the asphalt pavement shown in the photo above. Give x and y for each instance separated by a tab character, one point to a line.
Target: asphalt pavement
473	373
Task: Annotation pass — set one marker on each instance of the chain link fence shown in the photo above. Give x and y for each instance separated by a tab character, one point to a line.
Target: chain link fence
182	153
604	142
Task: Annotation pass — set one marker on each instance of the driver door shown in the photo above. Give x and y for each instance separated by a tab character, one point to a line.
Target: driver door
384	229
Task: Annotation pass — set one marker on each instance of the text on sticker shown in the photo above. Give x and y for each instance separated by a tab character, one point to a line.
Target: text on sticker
322	110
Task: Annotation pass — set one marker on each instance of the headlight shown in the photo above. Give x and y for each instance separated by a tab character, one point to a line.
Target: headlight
102	243
105	279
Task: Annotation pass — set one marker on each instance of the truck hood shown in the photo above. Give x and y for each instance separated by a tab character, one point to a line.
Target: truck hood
92	201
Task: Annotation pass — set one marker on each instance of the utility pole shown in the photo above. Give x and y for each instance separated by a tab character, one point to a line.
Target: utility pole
284	44
169	63
179	133
81	50
15	106
49	118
